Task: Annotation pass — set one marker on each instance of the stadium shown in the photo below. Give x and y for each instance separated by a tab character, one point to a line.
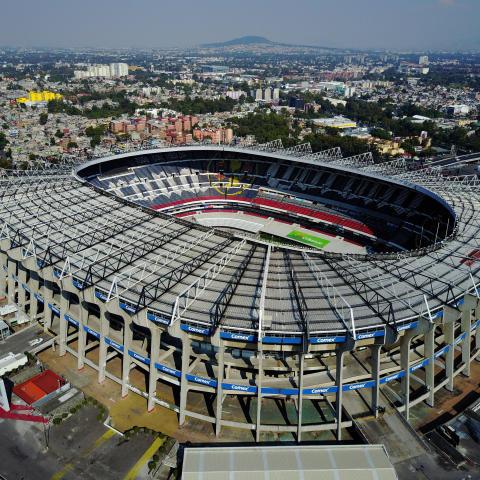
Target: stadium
255	287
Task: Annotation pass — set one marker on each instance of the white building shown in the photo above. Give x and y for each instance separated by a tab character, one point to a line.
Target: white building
234	94
458	109
118	69
268	95
113	70
423	60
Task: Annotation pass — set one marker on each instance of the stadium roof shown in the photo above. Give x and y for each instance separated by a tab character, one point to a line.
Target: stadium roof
332	462
147	259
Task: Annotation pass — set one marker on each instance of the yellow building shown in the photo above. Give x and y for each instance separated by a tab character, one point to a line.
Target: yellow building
388	147
335	122
38	97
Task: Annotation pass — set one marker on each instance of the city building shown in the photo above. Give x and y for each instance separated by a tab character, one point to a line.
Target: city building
458	110
267	95
114	70
118	70
335	122
176	130
215	135
215	69
423	60
35	98
235	94
413	68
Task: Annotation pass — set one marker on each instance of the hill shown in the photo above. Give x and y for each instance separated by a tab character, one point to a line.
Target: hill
247	40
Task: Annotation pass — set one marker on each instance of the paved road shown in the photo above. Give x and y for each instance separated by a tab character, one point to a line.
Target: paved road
410	457
18	343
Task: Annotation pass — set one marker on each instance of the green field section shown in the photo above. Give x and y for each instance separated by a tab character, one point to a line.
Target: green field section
312	240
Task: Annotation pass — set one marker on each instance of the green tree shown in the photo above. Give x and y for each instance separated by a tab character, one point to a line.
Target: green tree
380	133
94	141
349	145
265	126
3	141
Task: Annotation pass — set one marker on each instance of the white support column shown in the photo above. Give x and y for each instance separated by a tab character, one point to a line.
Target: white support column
3	274
300	397
186	349
469	304
126	363
375	366
34	289
82	336
429	345
11	271
220	377
102	345
153	372
47	313
467	341
62	335
22	280
405	342
448	332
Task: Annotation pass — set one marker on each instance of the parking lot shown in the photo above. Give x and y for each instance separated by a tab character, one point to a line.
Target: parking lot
23	340
80	447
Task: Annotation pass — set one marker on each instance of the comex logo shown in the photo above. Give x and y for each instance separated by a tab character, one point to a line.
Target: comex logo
236	336
325	340
319	390
205	381
356	386
167	370
196	329
391	377
240	387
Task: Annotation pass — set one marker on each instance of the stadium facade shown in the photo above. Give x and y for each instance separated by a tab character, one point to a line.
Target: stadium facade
105	259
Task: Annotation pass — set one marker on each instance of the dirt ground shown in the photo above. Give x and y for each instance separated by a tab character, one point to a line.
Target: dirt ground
125	412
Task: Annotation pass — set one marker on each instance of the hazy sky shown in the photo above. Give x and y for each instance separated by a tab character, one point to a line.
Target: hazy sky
397	24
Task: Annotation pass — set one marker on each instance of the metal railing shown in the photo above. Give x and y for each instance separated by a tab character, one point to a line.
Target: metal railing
335	299
190	294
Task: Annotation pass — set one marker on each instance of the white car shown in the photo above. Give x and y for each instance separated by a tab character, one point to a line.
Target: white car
35	341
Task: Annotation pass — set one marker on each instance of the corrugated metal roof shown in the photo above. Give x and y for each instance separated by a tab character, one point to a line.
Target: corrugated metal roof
335	462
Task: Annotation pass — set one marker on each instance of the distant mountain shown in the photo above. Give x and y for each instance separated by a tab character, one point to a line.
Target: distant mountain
253	40
247	40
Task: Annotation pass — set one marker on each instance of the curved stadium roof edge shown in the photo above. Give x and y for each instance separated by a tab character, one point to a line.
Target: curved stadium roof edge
262	153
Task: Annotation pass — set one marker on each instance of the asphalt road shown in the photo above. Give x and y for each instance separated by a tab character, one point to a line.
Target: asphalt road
23	445
18	343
